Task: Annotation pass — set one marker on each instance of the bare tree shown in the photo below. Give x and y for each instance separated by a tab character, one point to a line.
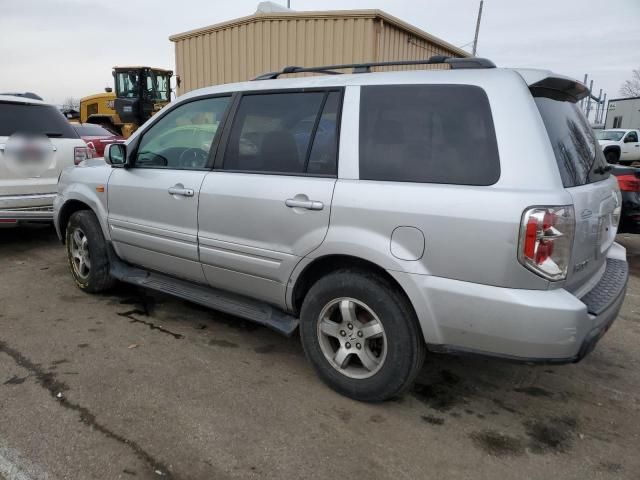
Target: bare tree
71	103
631	88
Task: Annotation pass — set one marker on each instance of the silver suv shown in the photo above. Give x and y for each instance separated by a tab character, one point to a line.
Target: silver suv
386	214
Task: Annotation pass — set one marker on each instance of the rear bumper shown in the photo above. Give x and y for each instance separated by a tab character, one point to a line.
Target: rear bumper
538	326
38	207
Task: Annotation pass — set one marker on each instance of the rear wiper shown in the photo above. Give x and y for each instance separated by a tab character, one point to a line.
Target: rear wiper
602	169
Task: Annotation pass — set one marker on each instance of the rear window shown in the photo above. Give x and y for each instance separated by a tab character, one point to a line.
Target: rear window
34	119
90	130
579	156
427	133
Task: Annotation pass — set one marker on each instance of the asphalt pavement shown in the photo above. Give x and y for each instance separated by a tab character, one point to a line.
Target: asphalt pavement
139	385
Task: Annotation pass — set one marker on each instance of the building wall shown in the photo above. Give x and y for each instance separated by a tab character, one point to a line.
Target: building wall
243	49
395	43
628	109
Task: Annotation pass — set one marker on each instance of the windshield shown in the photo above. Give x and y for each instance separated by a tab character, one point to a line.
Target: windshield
614	135
91	130
579	156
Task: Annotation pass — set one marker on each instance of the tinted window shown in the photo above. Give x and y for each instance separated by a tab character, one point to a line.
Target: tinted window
89	130
578	154
34	119
323	155
272	132
427	133
182	138
632	137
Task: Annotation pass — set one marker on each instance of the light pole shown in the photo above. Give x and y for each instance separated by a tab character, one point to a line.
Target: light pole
475	40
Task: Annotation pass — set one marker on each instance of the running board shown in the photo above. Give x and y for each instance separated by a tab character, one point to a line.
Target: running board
247	308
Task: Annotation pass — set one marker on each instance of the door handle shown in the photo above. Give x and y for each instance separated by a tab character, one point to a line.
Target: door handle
308	204
180	190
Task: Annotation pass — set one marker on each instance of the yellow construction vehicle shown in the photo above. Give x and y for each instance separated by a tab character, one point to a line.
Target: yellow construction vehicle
140	92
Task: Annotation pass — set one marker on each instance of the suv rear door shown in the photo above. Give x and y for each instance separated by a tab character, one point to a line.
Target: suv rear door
267	203
582	167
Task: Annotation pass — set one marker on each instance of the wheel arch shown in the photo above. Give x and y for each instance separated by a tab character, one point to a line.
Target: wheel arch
612	148
69	208
322	266
76	200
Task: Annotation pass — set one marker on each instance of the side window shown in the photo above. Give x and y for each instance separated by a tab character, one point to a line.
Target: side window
324	152
183	137
632	137
272	133
427	133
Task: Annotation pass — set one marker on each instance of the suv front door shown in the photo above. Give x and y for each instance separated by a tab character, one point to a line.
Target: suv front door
153	204
267	203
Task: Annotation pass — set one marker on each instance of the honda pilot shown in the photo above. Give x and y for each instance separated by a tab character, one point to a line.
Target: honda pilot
385	215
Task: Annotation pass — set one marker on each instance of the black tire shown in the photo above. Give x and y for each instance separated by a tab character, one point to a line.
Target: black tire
611	156
97	278
405	347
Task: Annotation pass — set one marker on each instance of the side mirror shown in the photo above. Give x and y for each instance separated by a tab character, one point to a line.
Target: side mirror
628	139
115	154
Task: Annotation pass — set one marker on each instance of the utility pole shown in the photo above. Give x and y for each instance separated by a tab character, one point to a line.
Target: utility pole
589	99
475	39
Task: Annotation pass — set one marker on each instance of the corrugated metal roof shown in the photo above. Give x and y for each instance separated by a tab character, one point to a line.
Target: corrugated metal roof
373	14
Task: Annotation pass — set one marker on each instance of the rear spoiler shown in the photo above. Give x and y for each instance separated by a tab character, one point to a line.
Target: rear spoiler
560	89
544	83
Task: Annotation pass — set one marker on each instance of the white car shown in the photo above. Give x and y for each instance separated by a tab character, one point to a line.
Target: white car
36	143
620	145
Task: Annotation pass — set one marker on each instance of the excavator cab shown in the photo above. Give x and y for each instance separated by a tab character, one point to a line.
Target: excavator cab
140	93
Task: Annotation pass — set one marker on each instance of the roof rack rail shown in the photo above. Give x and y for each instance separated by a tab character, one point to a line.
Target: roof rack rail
454	62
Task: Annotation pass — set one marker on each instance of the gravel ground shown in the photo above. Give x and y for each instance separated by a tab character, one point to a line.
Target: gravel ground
140	385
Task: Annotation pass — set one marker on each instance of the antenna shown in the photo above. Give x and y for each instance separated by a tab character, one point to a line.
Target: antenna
475	39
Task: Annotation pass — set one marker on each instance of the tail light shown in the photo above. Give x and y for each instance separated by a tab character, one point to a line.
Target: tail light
617	211
92	150
629	183
546	238
81	154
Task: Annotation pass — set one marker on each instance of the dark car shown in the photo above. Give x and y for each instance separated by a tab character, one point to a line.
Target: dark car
629	182
96	136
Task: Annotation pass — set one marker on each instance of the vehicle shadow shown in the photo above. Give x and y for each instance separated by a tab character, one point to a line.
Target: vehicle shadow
26	237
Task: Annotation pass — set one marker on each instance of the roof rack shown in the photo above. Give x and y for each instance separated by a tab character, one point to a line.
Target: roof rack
454	62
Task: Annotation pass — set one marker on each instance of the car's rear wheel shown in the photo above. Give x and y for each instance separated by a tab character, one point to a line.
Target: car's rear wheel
361	335
87	253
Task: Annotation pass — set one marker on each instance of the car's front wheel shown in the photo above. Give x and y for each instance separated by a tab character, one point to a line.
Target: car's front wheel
611	156
87	253
361	335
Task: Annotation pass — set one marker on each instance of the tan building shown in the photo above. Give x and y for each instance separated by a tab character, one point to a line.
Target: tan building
246	47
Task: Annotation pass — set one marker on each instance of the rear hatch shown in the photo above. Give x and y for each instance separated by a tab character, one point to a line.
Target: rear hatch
585	175
35	119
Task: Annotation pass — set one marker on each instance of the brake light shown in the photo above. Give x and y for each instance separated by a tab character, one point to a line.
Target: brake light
629	183
546	238
81	154
93	152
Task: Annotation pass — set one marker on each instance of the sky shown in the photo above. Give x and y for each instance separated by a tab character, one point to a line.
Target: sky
66	48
